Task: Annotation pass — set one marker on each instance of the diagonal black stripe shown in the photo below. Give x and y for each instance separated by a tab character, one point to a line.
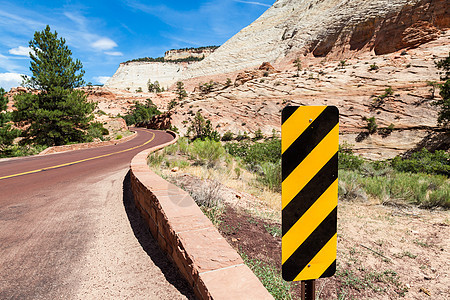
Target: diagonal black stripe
309	194
308	140
310	247
287	112
330	270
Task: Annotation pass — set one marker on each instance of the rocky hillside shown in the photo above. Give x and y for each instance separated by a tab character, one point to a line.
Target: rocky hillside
372	59
319	28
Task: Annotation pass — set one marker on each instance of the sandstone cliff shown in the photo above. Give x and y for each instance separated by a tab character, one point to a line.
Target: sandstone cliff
319	28
337	28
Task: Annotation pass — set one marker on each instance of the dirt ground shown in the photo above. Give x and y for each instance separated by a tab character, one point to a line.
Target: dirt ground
384	252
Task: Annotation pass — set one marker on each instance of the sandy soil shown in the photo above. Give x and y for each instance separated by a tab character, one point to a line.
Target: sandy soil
384	252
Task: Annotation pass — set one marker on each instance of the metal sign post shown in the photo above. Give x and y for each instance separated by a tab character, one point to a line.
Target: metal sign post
309	145
309	289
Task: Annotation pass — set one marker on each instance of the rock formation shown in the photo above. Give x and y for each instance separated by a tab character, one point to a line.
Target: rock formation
351	52
293	28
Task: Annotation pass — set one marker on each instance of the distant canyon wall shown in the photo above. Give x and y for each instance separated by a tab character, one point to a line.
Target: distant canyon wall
298	28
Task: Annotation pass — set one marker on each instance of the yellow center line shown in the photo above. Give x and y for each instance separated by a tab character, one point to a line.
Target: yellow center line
78	161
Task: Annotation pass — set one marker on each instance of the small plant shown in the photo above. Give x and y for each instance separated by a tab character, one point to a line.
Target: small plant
139	90
342	64
274	230
347	160
373	67
119	136
206	88
386	131
266	74
237	171
371	125
154	87
227	136
298	66
228	82
172	104
241	137
258	135
269	276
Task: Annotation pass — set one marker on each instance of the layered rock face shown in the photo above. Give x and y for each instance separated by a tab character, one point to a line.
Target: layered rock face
341	29
134	75
186	53
293	28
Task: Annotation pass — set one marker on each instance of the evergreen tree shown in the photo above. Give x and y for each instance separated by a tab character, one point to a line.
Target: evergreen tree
57	114
7	133
444	103
202	129
180	91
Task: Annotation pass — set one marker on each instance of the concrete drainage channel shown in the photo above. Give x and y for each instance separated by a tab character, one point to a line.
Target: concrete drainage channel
210	265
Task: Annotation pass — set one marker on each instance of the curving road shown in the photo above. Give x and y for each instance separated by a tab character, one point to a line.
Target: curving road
69	228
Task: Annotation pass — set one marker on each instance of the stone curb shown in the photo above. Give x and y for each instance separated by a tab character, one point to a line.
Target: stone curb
64	148
210	265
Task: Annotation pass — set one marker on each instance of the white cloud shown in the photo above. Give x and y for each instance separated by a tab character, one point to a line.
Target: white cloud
102	79
114	53
104	44
21	51
9	80
8	63
253	2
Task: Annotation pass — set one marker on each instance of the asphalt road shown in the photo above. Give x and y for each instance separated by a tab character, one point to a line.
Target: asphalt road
69	228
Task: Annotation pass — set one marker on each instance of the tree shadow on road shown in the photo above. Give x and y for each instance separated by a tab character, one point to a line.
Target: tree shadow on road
150	245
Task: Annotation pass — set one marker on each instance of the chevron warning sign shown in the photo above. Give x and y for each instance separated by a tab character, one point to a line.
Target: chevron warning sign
309	146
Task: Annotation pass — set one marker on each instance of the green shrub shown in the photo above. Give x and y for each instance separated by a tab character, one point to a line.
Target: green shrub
270	175
119	136
419	189
347	160
227	136
141	113
241	137
155	159
439	197
183	145
424	162
257	153
96	130
373	67
371	125
207	152
258	135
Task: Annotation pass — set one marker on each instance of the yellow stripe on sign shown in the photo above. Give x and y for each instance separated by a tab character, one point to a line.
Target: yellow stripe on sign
320	262
293	127
309	221
309	167
78	161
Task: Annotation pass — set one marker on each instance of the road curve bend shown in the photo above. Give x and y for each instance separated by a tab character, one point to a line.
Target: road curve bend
69	228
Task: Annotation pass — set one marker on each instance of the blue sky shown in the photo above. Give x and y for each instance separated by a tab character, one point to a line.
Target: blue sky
102	34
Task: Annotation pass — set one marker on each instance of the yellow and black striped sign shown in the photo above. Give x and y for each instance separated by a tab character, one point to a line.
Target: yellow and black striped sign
309	145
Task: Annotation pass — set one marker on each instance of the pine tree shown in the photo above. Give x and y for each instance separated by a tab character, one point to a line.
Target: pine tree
444	103
58	114
7	133
180	91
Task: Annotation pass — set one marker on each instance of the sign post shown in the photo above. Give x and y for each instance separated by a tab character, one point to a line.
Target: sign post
309	146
